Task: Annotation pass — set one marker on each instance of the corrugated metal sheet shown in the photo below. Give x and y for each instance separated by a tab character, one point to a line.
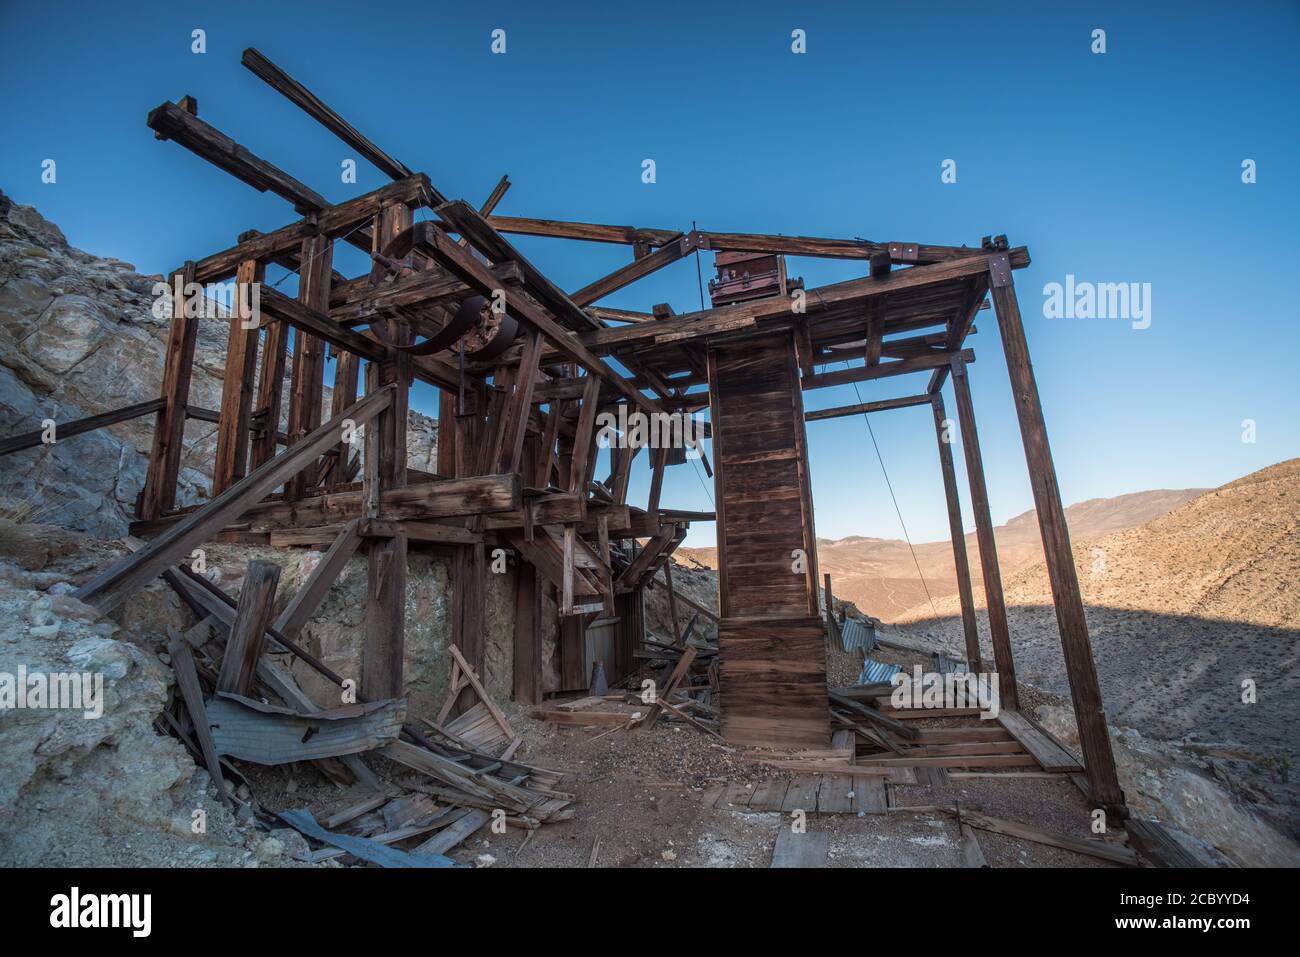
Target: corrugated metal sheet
875	672
857	635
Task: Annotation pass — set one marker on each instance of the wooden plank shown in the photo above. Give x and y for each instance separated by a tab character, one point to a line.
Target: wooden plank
169	431
111	586
1159	845
1106	851
869	795
801	795
1050	755
801	850
445	840
971	853
1081	670
836	794
253	614
312	592
187	681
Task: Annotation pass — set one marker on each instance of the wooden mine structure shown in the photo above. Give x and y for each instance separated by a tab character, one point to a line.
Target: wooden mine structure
520	397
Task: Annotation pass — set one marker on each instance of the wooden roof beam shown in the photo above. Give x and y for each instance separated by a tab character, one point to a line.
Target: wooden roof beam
881	405
882	371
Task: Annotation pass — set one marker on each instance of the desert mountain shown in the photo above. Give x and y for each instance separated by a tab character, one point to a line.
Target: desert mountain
881	578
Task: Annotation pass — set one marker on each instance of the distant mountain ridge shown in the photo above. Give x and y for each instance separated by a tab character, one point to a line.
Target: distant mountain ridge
880	576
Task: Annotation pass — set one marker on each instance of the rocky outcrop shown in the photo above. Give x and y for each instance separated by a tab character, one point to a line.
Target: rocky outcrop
80	335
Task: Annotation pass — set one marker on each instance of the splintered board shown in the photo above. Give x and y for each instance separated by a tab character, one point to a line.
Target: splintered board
772	682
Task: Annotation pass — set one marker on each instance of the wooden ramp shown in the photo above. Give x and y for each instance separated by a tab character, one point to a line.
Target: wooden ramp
771	641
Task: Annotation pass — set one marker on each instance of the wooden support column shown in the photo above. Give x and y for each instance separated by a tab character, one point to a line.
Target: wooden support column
979	496
528	636
446	433
672	599
307	396
381	657
347	368
962	563
270	392
231	462
1080	668
169	433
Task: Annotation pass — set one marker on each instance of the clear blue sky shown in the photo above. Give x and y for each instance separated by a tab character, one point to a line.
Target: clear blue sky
1122	167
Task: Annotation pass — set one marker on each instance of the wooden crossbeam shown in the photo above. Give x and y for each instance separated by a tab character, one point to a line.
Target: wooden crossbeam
883	371
590	232
67	430
171	122
110	587
310	104
464	219
334	221
637	269
474	273
880	405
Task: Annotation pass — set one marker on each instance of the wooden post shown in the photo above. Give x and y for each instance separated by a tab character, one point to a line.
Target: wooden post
244	647
672	596
309	356
832	627
381	657
528	644
347	368
231	462
446	433
979	496
968	623
1080	668
169	432
270	392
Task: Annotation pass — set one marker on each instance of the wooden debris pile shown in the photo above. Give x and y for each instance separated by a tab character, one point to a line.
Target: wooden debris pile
234	704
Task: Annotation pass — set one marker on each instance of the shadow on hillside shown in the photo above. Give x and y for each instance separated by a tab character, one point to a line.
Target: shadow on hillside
1172	677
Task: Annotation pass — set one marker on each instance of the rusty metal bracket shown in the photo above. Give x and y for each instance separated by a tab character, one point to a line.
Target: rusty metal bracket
904	252
1000	270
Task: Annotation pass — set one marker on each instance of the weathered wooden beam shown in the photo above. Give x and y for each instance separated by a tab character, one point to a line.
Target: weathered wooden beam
385	635
883	371
1081	670
778	308
169	431
637	269
252	615
317	324
187	680
171	122
994	600
231	459
590	232
527	672
66	430
477	275
334	221
880	405
308	380
310	104
312	592
466	221
970	627
111	586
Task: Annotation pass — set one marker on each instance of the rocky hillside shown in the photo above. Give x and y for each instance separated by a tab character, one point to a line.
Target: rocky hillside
881	577
78	337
